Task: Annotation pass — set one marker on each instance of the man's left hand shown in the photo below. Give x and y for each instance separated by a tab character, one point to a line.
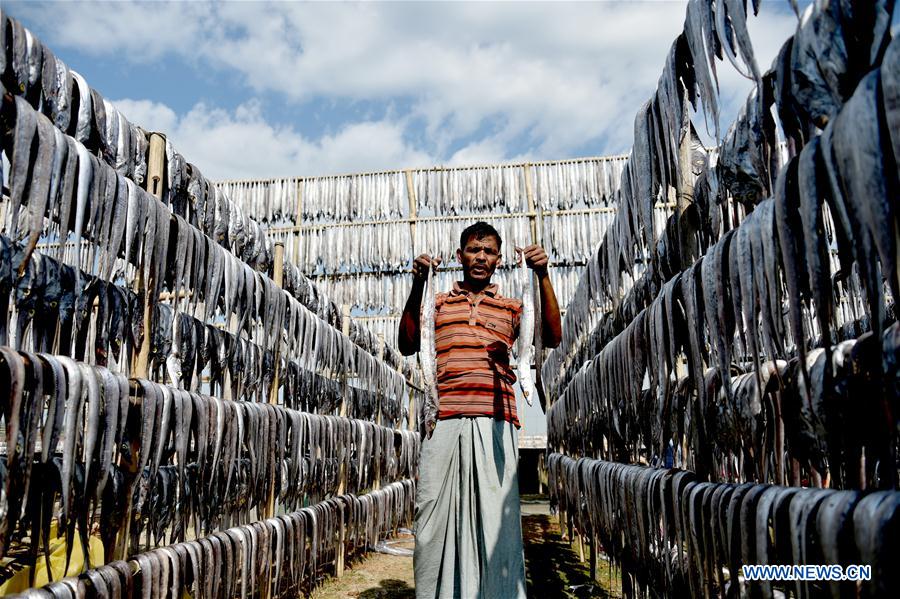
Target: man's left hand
536	258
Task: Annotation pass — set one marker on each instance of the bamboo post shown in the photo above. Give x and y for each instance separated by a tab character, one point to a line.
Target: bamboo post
155	185
342	485
278	277
377	484
140	363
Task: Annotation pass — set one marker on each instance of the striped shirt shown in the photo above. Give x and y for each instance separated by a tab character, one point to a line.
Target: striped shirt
473	334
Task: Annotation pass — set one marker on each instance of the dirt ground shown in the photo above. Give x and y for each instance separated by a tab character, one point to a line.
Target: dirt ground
552	566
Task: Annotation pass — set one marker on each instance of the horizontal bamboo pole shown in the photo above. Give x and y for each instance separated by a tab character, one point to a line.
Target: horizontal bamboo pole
434	168
454	217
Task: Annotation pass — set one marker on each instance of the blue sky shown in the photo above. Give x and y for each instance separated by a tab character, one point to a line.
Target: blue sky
252	89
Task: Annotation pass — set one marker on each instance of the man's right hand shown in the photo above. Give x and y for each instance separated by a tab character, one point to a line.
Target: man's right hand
421	266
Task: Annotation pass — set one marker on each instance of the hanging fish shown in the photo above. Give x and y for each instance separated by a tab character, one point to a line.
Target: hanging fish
526	332
428	360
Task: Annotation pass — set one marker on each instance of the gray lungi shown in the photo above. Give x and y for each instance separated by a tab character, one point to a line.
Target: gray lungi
468	523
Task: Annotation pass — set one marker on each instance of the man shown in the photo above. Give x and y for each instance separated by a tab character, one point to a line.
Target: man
468	526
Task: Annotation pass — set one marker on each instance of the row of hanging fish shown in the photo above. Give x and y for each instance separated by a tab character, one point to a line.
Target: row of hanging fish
51	315
749	156
319	303
30	69
67	181
199	459
566	185
273	202
851	175
123	219
468	190
577	184
673	535
285	556
825	417
32	72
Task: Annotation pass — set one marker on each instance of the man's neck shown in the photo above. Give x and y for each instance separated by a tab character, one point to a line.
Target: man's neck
474	286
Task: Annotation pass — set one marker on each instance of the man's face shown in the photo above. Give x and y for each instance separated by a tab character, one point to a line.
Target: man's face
480	257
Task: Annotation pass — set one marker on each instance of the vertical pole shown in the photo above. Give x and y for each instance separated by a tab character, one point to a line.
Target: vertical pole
140	362
593	557
278	277
155	185
377	484
342	485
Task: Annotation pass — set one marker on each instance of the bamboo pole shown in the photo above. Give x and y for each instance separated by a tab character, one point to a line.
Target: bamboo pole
425	169
155	185
413	210
342	485
377	484
454	217
278	277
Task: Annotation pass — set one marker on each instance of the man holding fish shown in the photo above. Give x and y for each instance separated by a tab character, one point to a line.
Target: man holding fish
468	528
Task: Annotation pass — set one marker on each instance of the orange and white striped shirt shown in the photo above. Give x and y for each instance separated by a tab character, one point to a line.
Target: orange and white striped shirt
473	335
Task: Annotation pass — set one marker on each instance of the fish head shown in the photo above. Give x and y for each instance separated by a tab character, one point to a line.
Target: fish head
31	283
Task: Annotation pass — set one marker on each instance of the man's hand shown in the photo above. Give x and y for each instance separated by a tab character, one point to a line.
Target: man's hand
422	264
536	258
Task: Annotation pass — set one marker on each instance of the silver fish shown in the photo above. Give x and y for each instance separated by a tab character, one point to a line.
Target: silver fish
428	360
526	334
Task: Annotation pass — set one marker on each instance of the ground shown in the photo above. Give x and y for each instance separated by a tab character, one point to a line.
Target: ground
552	566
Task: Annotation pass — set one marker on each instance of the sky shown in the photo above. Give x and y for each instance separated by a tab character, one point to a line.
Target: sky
283	89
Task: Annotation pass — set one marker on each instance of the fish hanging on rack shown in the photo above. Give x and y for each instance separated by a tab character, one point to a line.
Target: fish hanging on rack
428	360
526	332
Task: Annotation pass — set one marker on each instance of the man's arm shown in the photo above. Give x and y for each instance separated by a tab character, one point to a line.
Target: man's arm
408	338
550	318
537	260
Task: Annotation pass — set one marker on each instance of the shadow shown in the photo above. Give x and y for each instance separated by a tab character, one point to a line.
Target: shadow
552	568
389	588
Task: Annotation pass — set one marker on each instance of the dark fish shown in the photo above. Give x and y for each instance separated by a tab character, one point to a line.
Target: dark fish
860	142
811	188
737	15
71	439
791	237
21	163
15	379
890	99
56	407
6	285
876	528
48	162
82	132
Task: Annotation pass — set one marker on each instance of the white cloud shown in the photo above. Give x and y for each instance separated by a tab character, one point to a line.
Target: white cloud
553	77
242	144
